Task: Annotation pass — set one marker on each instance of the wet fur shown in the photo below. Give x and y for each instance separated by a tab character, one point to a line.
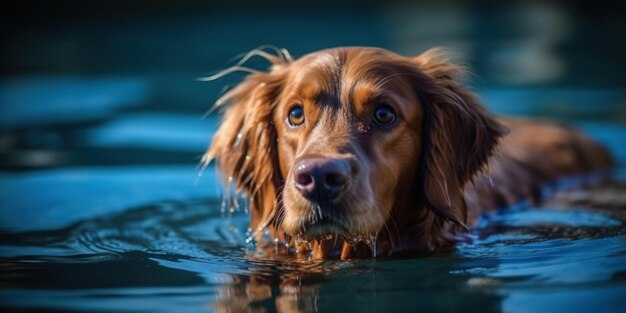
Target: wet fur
413	191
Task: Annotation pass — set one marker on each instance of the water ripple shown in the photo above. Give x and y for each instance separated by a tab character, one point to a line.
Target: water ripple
143	252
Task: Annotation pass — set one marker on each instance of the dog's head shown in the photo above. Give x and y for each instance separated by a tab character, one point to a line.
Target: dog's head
346	142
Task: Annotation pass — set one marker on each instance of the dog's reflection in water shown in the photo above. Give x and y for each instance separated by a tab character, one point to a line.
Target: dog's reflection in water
276	285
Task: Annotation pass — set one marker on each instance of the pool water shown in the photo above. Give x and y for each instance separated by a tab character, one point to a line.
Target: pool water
154	238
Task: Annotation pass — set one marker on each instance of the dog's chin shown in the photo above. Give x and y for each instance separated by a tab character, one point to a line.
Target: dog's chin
314	226
322	230
326	227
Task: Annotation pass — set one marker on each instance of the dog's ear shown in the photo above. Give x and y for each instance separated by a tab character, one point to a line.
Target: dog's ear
459	135
244	146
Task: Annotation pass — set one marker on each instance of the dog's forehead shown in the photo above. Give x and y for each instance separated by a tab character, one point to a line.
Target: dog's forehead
338	65
348	75
316	73
328	61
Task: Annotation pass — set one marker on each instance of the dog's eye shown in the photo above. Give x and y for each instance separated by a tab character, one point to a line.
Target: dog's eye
296	116
384	116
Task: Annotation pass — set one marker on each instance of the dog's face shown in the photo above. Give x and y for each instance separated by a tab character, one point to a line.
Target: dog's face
347	142
348	130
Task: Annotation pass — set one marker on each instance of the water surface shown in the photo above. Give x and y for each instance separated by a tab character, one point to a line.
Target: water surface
155	239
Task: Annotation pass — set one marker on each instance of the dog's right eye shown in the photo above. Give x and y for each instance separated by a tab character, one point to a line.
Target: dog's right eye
384	116
295	117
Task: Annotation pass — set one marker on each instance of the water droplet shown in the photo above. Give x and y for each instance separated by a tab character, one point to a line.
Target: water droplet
223	206
203	168
238	140
374	248
287	241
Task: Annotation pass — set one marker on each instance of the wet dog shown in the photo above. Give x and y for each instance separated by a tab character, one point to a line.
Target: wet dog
353	152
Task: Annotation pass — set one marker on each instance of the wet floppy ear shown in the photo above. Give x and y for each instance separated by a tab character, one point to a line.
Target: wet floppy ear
244	146
459	135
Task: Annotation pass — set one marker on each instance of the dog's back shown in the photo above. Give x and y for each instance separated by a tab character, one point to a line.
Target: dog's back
536	159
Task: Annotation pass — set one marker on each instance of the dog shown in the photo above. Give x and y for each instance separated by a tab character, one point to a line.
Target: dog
356	152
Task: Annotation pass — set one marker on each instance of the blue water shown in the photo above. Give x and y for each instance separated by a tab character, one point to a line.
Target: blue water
153	238
103	207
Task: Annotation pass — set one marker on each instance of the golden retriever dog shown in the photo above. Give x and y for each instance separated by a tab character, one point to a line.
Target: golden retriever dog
358	152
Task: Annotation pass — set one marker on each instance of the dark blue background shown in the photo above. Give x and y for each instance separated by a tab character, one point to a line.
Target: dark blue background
114	82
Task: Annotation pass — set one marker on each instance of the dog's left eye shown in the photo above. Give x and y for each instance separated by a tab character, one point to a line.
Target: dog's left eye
296	116
384	116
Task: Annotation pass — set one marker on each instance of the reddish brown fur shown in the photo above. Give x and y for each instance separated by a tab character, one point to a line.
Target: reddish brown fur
410	187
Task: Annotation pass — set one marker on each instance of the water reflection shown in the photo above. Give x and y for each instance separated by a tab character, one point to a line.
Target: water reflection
360	287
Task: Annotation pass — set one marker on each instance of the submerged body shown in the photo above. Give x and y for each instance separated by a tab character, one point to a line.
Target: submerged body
354	152
536	159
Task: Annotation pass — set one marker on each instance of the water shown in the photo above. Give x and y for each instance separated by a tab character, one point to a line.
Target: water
102	207
150	239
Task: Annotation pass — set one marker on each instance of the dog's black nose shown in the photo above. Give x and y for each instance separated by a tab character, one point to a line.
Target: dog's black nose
320	179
